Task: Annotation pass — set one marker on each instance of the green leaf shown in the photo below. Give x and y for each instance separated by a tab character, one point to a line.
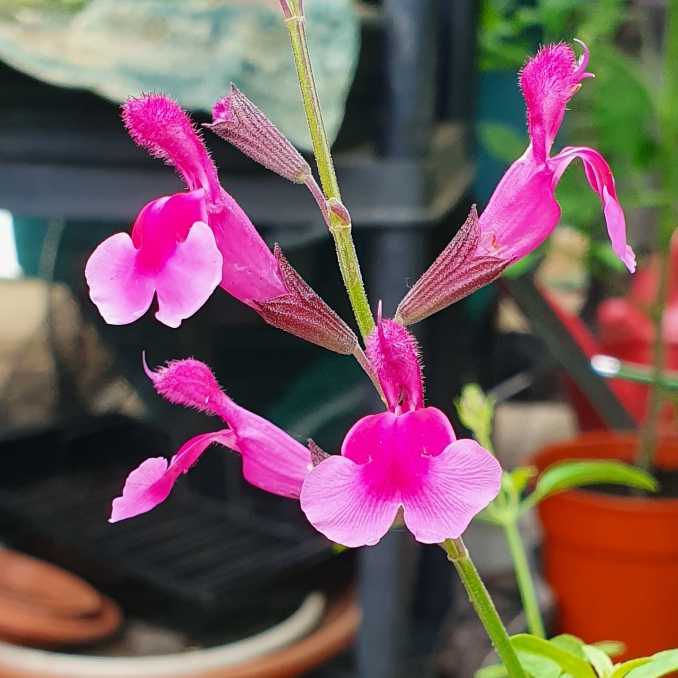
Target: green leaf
569	663
568	474
569	643
522	265
502	141
623	109
603	252
522	475
599	660
494	671
612	648
660	664
539	667
620	670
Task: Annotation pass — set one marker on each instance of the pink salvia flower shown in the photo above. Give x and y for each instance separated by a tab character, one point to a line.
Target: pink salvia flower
272	460
183	246
407	457
523	211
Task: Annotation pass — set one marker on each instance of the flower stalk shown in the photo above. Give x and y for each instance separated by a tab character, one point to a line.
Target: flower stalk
339	226
667	225
483	605
528	594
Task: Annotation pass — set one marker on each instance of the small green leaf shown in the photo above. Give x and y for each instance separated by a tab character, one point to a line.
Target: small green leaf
568	474
522	475
522	265
539	667
502	141
569	643
569	663
620	670
494	671
599	660
612	648
660	664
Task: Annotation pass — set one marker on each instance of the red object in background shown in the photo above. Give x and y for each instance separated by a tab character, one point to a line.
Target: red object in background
625	332
612	561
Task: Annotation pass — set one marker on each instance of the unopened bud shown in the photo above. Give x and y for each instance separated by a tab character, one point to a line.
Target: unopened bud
303	313
458	271
236	119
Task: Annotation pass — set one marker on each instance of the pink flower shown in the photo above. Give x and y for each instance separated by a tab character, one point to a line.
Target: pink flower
182	246
523	211
272	460
406	458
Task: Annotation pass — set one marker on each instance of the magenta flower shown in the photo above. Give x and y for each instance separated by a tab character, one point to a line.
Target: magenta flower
523	210
271	460
183	246
406	458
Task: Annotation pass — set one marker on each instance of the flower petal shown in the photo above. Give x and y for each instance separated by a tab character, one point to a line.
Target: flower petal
353	499
189	276
340	503
151	483
121	292
157	122
272	460
549	80
458	484
250	271
522	211
164	223
394	354
600	178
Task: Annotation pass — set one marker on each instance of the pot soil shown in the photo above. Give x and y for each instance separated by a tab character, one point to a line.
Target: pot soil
612	560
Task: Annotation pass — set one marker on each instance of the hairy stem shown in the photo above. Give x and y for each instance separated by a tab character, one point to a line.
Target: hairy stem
481	601
339	227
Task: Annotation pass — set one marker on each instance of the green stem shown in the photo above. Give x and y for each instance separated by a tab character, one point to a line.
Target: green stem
648	433
481	601
524	576
340	227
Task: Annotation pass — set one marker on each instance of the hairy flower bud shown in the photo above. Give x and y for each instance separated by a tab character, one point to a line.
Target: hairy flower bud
241	123
303	313
459	270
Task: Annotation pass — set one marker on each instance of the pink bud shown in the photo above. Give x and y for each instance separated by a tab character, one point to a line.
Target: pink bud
459	270
241	123
303	313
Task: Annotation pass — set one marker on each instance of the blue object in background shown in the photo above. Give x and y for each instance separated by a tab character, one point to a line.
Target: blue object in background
499	101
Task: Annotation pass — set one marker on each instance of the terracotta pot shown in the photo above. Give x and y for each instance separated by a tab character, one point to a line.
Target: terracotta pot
612	561
248	658
35	581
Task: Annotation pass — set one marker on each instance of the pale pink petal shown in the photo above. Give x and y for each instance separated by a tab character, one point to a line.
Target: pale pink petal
457	484
157	122
250	270
522	211
549	80
340	503
189	276
120	291
272	460
600	178
151	483
394	354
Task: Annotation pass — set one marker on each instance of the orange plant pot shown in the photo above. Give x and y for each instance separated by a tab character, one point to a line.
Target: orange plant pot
612	561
